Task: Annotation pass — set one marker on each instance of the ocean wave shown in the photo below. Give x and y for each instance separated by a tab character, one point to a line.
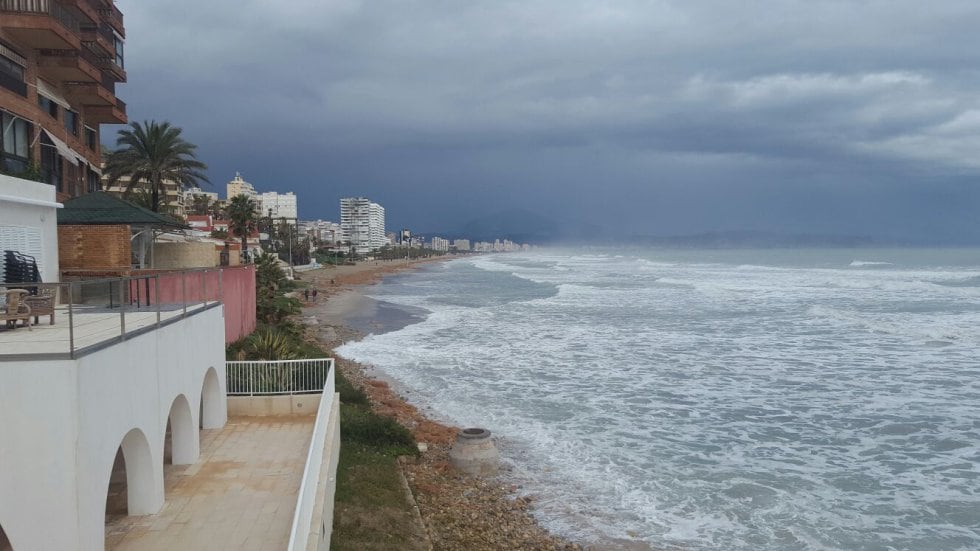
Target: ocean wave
973	281
868	263
816	418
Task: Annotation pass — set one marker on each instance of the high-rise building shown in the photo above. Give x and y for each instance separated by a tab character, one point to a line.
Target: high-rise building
277	205
60	62
237	186
362	223
440	244
462	244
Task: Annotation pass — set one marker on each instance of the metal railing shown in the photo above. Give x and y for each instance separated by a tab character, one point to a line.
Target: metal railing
81	316
46	7
264	378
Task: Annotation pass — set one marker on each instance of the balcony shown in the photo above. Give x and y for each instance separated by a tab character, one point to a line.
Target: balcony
81	65
113	17
40	24
113	70
91	93
99	37
88	315
107	114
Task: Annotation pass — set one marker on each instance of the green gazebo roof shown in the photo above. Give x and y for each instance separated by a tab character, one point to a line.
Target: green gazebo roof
101	208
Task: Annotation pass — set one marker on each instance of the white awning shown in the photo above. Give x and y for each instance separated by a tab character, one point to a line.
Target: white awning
52	94
68	153
95	169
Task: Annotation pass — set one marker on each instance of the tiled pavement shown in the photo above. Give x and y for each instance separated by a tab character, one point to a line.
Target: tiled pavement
240	494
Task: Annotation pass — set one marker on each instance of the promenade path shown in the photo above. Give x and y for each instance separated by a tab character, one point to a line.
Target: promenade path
241	494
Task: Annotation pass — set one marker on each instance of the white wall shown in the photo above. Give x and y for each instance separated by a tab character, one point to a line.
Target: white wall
32	205
61	423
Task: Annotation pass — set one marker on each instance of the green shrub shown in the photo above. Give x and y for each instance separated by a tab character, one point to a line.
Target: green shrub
363	426
349	394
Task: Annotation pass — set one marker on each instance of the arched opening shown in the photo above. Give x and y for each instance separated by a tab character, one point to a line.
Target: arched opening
131	488
181	445
212	412
5	544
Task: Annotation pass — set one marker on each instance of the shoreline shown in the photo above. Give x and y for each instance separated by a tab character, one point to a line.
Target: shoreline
458	510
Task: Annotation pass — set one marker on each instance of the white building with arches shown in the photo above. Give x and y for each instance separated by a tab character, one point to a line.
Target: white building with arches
63	422
100	390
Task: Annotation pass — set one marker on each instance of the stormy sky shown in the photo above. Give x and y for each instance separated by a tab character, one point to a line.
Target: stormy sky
608	117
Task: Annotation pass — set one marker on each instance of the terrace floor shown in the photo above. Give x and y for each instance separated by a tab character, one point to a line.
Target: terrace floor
89	326
241	494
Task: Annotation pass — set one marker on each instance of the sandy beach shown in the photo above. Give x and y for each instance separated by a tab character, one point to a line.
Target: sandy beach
459	511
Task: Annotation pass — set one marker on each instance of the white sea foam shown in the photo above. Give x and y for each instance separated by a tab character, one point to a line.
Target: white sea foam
863	263
706	405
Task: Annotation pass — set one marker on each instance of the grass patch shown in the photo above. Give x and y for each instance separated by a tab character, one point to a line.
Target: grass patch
361	426
371	509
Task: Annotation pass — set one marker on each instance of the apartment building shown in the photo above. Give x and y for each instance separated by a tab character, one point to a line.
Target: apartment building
324	232
238	186
362	224
60	61
461	244
172	198
439	244
277	205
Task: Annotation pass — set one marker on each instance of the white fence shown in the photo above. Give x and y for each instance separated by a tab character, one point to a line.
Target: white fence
313	516
263	378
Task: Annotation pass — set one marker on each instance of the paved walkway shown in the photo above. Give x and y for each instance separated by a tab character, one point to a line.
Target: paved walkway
239	495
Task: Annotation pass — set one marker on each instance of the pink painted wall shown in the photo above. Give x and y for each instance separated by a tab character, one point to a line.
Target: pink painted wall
234	286
239	298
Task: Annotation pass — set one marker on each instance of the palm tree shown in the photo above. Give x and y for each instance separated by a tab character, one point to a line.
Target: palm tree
200	204
150	154
242	218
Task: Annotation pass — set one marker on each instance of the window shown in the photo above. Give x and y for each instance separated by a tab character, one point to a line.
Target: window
47	105
16	139
71	122
119	53
91	138
51	169
94	183
12	72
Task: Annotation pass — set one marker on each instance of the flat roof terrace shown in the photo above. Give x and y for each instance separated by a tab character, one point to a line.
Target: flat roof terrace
241	494
91	314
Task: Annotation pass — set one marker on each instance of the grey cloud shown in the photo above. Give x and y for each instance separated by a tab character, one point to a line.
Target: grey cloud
429	104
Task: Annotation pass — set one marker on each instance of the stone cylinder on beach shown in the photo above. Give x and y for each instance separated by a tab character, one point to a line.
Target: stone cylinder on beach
474	452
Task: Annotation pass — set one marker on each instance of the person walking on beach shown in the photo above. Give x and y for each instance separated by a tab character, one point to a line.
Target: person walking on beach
314	295
306	294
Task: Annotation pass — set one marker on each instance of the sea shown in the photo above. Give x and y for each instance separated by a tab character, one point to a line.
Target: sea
711	399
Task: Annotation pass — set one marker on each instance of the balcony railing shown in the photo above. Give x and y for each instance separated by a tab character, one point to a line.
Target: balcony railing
264	378
113	16
43	7
79	317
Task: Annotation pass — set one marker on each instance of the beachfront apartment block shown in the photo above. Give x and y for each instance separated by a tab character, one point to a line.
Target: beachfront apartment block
461	244
238	186
324	232
277	205
60	61
439	244
362	224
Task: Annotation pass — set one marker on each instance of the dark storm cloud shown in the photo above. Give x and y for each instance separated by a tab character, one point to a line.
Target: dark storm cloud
638	116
